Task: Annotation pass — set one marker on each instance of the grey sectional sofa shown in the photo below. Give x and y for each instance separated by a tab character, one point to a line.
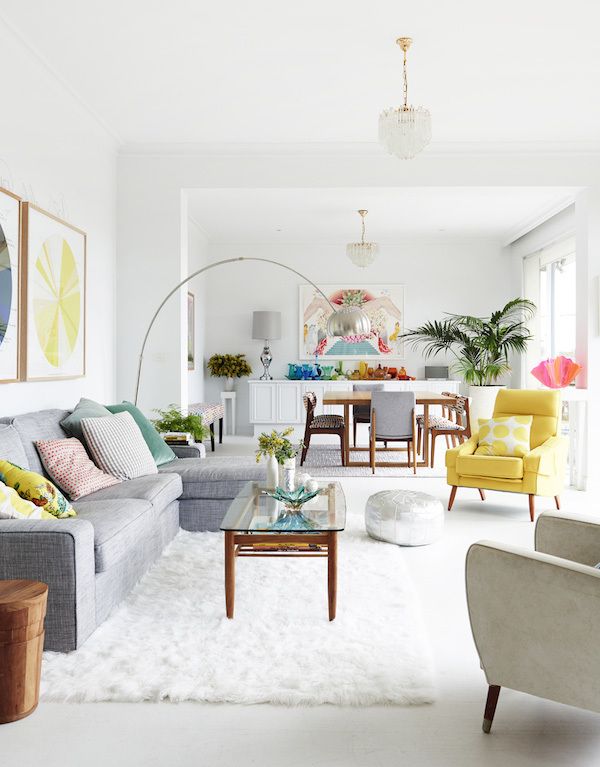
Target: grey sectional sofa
92	561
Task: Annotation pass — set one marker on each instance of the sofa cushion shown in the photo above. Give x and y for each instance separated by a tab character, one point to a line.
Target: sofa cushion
490	466
31	427
11	447
157	489
68	465
85	408
161	452
221	477
117	446
118	526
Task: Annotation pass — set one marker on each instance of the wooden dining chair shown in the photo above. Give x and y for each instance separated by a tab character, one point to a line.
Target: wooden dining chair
320	424
362	413
454	424
393	420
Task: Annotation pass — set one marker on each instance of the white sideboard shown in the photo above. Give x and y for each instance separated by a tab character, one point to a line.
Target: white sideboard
276	404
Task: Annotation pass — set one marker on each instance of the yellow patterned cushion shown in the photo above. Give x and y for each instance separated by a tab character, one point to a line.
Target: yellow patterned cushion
505	436
12	506
33	487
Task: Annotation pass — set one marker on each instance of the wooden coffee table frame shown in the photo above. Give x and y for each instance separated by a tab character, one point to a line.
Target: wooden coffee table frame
239	544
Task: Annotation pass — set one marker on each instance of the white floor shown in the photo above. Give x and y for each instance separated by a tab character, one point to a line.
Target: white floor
527	731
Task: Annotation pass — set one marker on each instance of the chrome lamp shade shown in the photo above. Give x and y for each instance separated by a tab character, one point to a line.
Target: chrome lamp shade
348	321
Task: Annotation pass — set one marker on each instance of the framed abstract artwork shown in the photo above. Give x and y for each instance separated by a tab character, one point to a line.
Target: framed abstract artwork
191	331
55	279
10	287
383	304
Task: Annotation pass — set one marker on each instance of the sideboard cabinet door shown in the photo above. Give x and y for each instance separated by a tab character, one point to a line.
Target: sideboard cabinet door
263	403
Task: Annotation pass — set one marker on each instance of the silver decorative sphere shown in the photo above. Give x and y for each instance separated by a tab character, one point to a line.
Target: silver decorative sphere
348	321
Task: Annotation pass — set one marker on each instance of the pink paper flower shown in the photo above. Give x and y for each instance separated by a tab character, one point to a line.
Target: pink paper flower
556	373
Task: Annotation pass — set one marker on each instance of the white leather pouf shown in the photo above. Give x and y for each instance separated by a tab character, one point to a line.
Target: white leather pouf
404	517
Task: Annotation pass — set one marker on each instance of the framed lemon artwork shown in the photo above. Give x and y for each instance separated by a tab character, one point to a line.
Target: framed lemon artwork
55	278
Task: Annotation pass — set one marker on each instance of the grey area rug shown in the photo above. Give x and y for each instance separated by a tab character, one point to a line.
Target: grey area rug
325	461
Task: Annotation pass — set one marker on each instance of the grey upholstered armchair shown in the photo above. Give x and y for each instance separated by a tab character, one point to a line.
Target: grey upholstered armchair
535	616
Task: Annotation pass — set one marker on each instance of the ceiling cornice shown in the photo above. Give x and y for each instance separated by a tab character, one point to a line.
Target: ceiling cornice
542	215
359	149
45	64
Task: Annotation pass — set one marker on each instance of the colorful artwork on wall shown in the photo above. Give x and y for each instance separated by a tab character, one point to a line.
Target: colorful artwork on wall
10	280
191	331
55	259
384	305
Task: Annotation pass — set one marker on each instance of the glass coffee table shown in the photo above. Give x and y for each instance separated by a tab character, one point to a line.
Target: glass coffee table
253	524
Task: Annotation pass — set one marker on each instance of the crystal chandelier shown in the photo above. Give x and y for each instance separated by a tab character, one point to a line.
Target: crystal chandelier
361	253
405	131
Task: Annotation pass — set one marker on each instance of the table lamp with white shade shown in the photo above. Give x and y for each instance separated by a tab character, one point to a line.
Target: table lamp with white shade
266	326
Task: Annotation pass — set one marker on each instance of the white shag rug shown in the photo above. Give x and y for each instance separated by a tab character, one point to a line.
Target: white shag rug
170	640
324	461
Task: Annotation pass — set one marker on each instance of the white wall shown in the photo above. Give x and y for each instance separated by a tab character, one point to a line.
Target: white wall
460	275
54	153
150	246
197	258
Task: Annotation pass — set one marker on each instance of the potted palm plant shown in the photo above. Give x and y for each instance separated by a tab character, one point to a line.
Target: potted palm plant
229	367
481	347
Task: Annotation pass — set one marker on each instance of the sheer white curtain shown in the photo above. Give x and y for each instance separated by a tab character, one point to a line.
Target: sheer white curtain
549	281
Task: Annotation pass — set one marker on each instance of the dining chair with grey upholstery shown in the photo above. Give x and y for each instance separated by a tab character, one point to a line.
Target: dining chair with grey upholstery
393	420
362	413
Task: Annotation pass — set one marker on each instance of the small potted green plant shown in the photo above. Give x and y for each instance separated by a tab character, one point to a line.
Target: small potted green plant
172	419
279	451
229	367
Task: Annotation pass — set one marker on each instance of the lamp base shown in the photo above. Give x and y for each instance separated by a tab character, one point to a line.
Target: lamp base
266	359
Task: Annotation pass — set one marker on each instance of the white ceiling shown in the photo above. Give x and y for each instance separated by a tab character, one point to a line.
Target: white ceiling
329	215
322	70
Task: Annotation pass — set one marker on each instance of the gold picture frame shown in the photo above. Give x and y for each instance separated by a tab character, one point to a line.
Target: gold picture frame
11	265
54	280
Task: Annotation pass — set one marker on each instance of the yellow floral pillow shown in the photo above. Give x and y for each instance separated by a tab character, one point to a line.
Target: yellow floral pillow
505	435
12	506
33	487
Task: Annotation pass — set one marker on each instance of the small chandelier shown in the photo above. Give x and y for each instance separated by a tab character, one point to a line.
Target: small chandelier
405	131
361	253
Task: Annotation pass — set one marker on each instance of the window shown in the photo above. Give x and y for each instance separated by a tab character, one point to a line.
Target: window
557	308
549	281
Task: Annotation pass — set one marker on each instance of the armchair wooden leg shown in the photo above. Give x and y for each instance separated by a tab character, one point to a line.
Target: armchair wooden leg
481	494
490	707
531	507
452	497
557	501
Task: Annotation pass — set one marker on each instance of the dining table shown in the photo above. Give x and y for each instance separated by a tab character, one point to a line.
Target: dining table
346	399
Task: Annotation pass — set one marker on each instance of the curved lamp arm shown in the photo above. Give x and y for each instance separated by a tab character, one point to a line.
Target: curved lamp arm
195	274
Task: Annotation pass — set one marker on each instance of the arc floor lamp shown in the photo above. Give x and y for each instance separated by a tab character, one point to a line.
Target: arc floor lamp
344	320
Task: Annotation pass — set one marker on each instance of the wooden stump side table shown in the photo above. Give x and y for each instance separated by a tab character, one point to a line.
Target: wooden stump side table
22	613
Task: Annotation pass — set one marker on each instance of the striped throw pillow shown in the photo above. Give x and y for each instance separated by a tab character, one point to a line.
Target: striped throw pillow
117	446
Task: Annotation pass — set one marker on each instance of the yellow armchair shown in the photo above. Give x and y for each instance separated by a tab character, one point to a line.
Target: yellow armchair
540	472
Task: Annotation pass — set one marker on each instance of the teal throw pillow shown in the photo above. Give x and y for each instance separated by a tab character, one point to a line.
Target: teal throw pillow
161	452
86	408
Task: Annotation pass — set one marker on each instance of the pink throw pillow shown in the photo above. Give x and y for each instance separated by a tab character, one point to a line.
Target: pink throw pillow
69	465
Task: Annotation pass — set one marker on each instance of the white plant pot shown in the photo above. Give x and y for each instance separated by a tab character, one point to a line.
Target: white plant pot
272	472
229	384
482	401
